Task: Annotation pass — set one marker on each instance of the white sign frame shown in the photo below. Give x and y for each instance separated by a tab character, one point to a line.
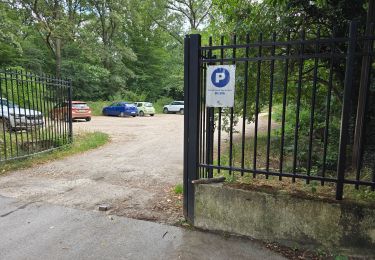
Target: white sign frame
220	85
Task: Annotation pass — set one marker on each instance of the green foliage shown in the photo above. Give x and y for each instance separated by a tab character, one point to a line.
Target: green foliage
162	102
108	48
178	189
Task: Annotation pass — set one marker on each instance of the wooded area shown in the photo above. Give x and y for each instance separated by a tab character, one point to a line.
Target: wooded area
129	47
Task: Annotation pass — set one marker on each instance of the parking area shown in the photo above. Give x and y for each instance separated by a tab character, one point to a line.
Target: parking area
134	173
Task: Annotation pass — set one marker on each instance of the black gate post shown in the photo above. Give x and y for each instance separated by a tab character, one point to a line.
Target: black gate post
345	114
191	120
70	97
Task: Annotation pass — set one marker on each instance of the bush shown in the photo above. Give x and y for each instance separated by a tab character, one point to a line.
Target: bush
162	102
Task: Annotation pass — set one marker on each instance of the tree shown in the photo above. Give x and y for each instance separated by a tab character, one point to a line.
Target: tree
195	11
56	21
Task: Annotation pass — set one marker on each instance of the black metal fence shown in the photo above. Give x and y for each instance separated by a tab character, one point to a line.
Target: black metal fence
35	113
294	114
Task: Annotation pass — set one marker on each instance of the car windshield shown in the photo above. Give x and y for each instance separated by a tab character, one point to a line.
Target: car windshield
148	105
80	105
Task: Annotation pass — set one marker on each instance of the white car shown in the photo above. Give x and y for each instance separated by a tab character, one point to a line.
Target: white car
13	117
174	107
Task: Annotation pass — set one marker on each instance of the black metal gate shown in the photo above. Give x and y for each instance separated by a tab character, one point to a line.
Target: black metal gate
294	112
35	114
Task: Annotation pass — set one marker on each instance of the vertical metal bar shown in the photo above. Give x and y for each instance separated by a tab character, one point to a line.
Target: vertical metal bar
192	96
26	116
269	125
64	93
2	112
67	97
14	111
29	107
8	114
34	132
19	107
296	129
50	110
70	96
64	109
232	115
45	116
257	103
40	101
209	126
46	111
328	107
362	100
186	125
312	110
56	110
285	89
346	110
35	108
202	109
201	171
363	89
220	111
244	114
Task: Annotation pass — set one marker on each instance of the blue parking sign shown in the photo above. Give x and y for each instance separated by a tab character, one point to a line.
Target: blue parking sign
220	85
220	77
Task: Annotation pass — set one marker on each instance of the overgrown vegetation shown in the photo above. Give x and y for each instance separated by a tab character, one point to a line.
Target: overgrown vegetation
82	142
267	183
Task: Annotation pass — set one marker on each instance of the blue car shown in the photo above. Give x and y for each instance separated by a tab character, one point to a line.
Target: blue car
120	109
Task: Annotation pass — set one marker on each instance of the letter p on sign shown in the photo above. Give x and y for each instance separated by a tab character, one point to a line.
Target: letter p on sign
220	76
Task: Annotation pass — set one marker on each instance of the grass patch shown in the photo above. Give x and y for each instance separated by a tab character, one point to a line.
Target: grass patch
82	142
363	195
178	189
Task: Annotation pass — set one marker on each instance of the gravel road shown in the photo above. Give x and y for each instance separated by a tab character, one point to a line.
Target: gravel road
134	173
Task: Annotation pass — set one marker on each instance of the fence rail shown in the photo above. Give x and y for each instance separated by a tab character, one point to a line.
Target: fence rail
294	112
35	113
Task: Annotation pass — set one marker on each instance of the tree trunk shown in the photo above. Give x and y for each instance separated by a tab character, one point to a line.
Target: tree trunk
58	57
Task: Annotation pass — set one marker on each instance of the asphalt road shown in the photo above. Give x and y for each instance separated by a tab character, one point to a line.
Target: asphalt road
43	231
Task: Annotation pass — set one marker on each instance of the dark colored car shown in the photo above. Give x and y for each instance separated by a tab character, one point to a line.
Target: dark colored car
120	109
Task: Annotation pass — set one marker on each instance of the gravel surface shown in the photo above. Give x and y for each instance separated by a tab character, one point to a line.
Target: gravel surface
134	174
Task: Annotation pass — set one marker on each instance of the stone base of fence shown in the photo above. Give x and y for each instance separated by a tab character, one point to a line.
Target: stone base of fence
293	221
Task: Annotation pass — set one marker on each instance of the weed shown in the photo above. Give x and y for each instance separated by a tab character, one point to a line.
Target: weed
178	189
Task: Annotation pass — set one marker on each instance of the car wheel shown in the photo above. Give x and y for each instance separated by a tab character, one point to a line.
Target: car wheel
88	119
151	114
165	111
141	113
181	111
134	116
122	114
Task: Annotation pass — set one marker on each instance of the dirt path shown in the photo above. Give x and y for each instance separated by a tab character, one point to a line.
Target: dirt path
134	173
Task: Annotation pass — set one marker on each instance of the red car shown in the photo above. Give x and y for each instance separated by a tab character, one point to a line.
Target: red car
80	110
